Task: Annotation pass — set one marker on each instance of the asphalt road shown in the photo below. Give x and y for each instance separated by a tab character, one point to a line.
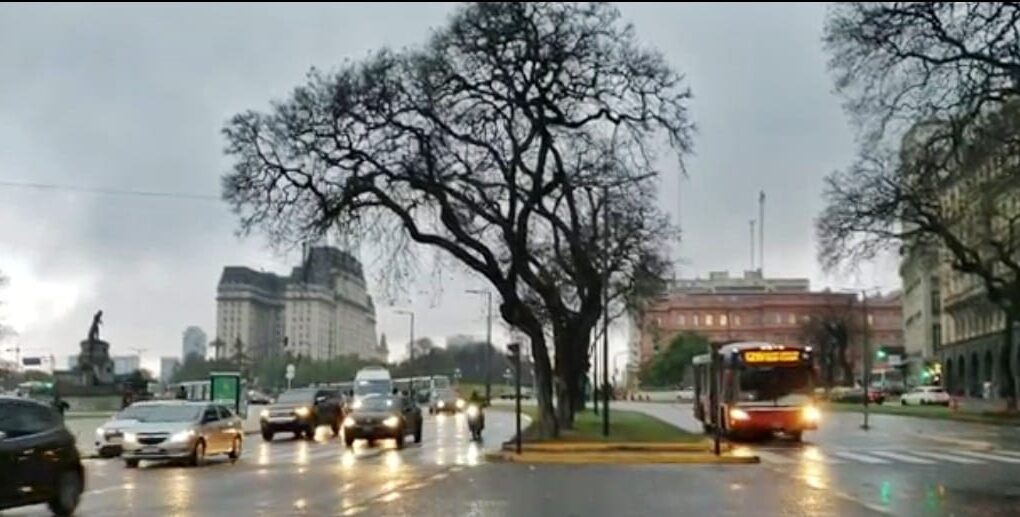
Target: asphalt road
900	466
837	471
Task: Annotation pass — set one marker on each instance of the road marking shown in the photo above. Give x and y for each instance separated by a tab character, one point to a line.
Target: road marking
1006	452
986	456
772	457
902	457
946	457
863	458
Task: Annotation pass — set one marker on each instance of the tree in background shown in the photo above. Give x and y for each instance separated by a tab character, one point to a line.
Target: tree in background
495	144
830	332
933	88
669	367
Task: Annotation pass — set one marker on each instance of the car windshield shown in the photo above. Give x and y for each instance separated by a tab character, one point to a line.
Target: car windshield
161	413
372	387
378	403
773	384
289	397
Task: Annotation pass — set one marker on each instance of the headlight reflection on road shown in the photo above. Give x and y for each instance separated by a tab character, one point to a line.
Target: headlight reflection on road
347	459
180	494
392	461
264	455
302	454
814	475
473	454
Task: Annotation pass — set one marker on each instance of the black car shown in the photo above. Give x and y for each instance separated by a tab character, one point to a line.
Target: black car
300	411
39	461
383	416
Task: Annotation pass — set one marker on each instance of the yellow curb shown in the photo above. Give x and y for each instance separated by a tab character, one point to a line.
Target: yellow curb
701	458
564	447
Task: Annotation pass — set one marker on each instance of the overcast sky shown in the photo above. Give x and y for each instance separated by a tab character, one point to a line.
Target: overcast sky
135	97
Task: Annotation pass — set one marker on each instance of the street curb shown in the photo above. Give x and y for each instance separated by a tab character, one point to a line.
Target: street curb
577	447
595	458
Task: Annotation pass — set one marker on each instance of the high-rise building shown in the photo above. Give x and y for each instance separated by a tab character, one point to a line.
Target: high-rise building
922	330
193	342
167	367
322	310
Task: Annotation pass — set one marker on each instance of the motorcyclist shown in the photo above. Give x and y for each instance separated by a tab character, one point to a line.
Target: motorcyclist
475	403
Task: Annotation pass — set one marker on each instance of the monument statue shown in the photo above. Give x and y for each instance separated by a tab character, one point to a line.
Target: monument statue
97	320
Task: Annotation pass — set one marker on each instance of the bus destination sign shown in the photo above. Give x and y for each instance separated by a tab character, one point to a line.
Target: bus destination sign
771	356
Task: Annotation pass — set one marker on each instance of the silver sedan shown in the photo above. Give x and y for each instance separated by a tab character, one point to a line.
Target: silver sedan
180	430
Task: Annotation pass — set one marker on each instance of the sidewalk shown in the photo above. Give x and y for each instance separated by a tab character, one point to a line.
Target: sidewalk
679	415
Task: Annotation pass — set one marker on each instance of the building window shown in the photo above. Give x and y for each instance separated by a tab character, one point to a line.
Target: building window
792	319
681	320
695	320
871	320
708	320
723	320
736	320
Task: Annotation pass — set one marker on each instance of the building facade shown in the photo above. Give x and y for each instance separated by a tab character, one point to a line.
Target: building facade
922	305
321	310
125	364
760	310
193	342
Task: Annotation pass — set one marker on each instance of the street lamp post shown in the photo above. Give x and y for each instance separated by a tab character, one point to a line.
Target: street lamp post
515	350
488	341
410	346
866	359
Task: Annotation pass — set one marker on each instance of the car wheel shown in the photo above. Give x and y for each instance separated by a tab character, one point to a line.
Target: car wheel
417	433
335	427
235	449
197	458
400	439
348	441
309	433
267	435
131	464
67	493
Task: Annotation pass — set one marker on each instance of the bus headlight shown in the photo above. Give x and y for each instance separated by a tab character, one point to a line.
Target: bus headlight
739	414
811	414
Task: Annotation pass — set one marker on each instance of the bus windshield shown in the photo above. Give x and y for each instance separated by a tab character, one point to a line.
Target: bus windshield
774	384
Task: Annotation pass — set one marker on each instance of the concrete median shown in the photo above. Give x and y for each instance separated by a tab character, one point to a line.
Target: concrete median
622	457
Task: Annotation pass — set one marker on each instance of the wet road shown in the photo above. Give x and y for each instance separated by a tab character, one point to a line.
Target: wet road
900	466
892	470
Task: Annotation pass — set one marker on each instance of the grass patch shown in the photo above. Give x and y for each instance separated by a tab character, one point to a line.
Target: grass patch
624	426
933	412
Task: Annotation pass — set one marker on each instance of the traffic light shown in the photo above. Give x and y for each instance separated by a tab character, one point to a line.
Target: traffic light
880	353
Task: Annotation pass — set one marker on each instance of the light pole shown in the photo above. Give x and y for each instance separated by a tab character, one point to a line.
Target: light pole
865	349
488	341
410	346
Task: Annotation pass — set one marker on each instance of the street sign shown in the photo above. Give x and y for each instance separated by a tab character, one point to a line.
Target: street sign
225	388
290	372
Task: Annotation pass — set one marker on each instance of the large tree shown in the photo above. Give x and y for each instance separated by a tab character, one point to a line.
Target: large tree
933	88
494	144
831	330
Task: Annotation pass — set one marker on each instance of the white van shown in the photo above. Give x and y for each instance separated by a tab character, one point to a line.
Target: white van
372	380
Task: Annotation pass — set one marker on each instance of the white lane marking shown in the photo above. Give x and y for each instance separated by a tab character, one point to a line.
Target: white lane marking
813	454
1006	452
987	456
946	457
772	457
902	457
863	458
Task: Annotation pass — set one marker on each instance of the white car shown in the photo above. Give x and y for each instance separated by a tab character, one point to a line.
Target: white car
924	395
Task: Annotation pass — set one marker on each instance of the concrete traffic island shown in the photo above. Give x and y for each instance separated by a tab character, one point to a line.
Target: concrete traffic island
583	453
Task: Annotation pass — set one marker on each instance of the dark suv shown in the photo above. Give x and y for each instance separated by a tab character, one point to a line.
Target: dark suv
300	411
39	461
383	416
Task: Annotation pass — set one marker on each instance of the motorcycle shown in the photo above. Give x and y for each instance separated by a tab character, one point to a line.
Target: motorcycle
476	421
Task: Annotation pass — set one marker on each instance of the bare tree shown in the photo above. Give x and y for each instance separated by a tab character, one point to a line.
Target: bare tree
831	330
484	145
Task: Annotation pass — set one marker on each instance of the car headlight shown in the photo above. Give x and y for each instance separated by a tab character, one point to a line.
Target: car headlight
812	414
441	404
100	432
391	421
739	414
472	411
182	436
357	404
460	403
302	412
349	422
130	437
264	413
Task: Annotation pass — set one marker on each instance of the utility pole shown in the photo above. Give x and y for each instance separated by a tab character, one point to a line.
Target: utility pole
761	232
752	244
866	358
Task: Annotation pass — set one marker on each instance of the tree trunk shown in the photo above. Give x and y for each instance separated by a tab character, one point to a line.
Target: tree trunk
1006	361
546	424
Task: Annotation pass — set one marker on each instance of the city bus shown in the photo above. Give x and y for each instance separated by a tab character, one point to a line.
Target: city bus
764	388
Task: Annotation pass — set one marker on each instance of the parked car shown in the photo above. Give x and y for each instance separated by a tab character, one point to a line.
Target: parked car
39	461
180	430
924	395
257	398
685	394
383	416
300	411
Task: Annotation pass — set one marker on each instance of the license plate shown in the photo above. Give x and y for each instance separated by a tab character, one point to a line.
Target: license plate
149	450
281	419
